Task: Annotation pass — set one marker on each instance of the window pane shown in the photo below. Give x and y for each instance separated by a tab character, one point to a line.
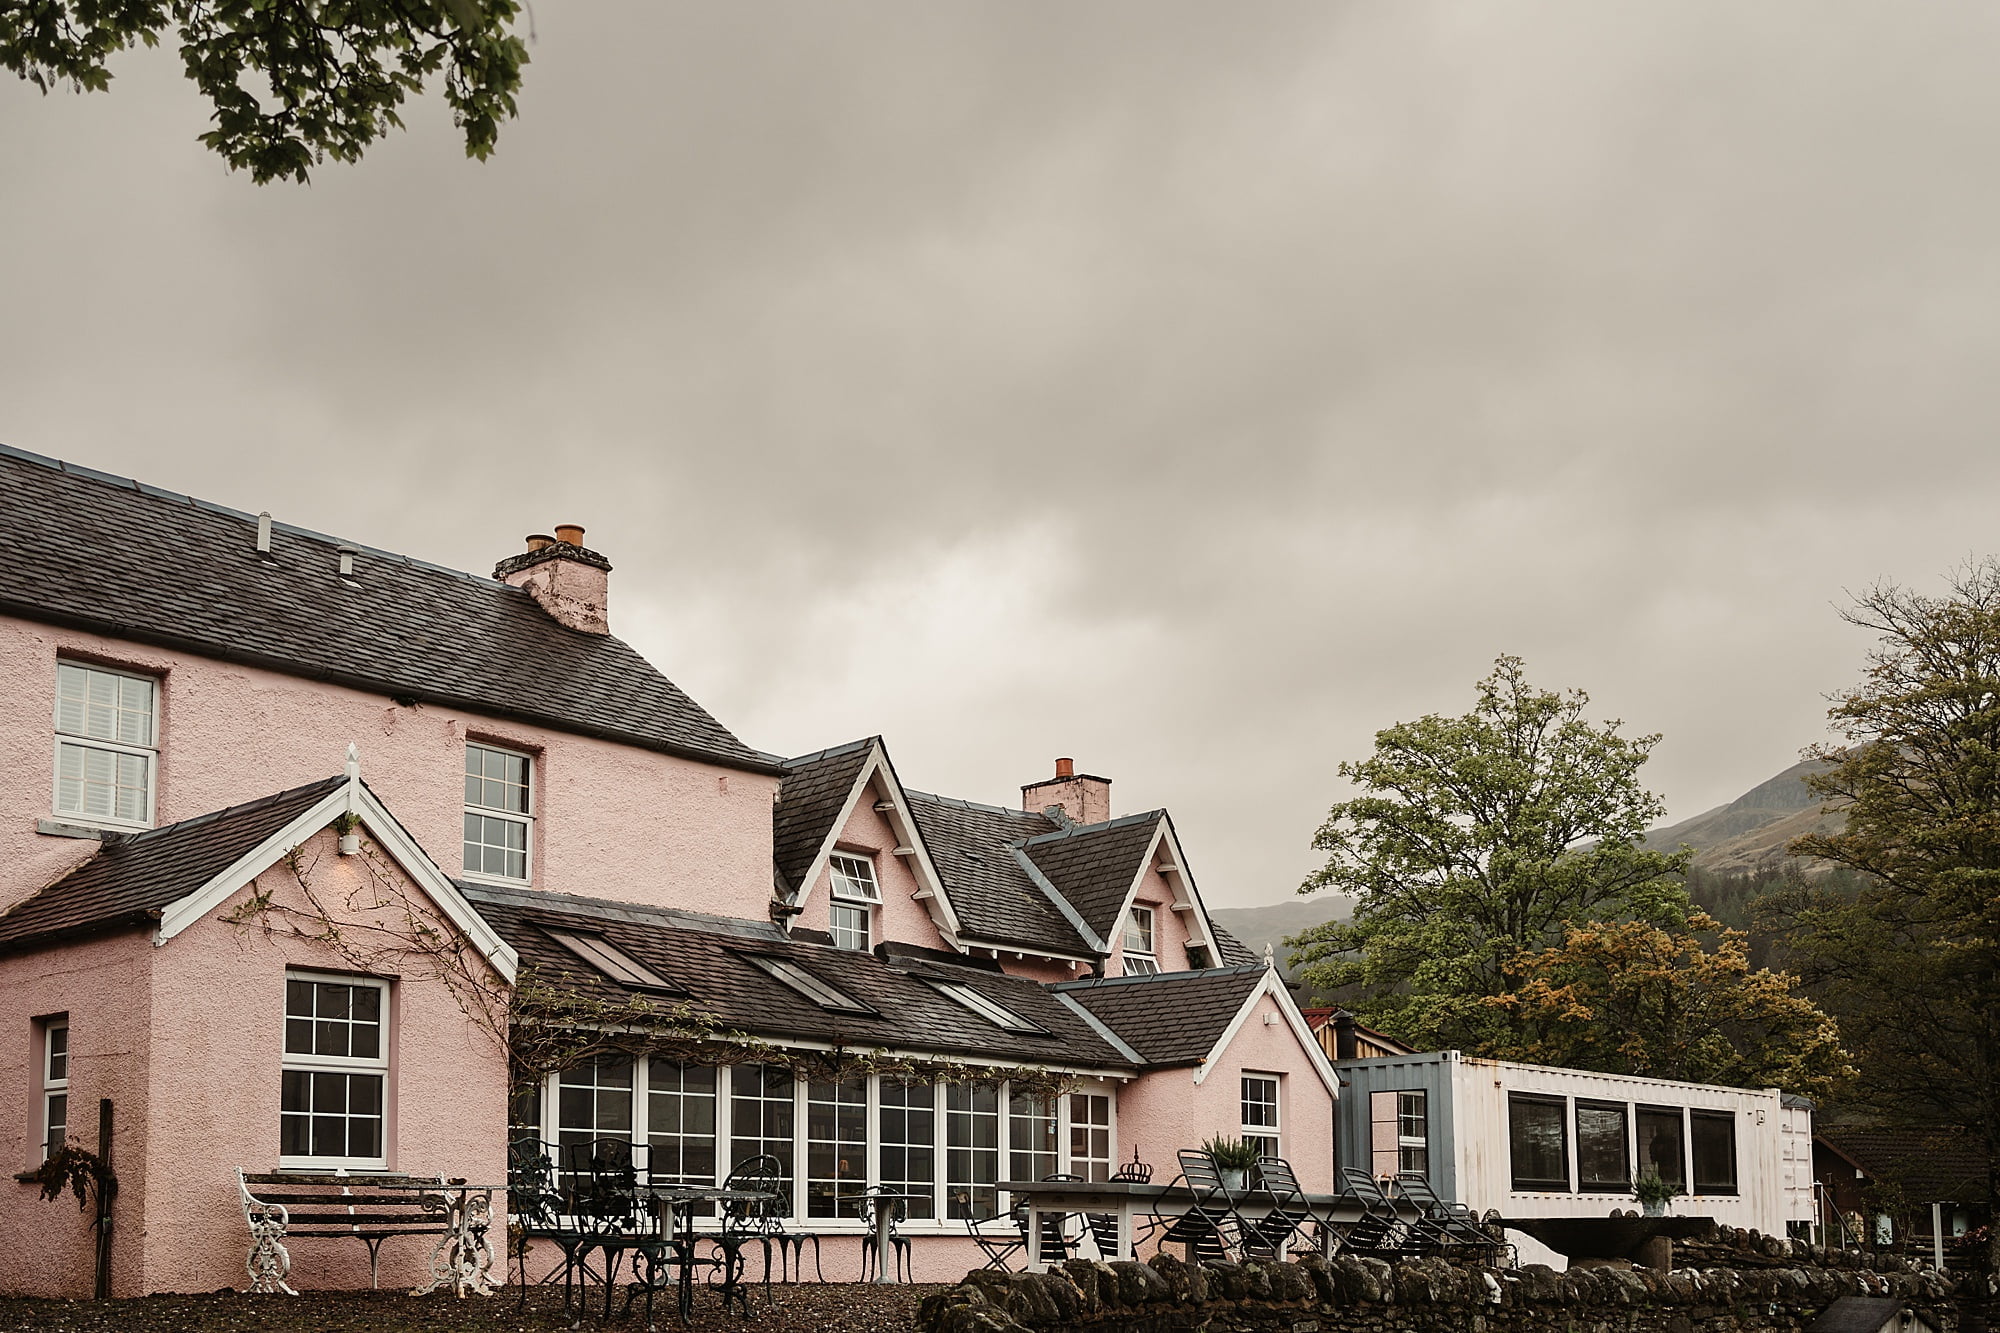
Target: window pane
681	1123
972	1150
1713	1136
1661	1149
1031	1137
56	1132
761	1117
836	1146
909	1142
1600	1148
1540	1148
1090	1135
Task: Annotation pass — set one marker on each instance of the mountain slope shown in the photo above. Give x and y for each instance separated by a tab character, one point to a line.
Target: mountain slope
1748	836
1258	926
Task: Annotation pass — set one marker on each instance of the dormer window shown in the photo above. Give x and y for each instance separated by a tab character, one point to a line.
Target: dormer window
499	810
853	898
107	745
1140	960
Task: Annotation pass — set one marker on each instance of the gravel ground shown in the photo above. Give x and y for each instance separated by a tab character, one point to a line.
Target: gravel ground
805	1308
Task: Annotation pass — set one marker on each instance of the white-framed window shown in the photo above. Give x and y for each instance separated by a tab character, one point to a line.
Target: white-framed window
946	1144
1140	960
854	894
334	1099
55	1085
1399	1132
499	812
107	745
1260	1112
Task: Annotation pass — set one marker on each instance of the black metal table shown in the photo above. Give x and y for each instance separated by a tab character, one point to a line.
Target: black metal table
670	1201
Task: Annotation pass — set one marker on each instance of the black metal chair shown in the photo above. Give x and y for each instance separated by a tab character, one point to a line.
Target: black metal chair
1209	1228
540	1208
611	1213
1000	1236
1381	1230
1281	1212
748	1222
1451	1225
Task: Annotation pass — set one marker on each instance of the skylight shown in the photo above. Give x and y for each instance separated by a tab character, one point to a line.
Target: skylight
999	1015
612	961
808	985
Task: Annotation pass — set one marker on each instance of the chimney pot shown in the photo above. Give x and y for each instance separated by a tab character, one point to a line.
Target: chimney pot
569	582
1085	799
1346	1041
537	540
347	561
264	533
570	533
1065	768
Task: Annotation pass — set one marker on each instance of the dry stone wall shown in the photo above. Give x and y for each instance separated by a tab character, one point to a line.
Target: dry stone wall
1366	1295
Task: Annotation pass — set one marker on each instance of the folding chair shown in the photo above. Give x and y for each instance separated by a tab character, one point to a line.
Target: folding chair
1284	1213
1456	1229
1103	1227
1210	1228
1381	1230
1001	1236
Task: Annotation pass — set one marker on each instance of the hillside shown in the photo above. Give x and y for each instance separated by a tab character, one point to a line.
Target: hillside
1258	926
1748	836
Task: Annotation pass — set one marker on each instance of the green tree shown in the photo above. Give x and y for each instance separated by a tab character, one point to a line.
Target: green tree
1477	839
1631	997
293	82
1911	964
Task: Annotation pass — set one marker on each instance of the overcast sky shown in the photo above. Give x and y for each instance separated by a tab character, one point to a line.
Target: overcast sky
1192	389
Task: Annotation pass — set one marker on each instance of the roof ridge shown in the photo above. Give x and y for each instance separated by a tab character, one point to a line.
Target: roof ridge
277	524
1186	974
964	804
1101	826
845	747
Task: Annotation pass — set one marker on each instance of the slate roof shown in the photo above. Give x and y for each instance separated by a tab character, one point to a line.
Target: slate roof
995	897
132	877
1233	950
704	956
118	557
1930	1166
1171	1018
814	788
1859	1314
1094	865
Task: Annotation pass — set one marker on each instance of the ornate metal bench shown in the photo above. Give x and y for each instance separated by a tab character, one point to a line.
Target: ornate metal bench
369	1208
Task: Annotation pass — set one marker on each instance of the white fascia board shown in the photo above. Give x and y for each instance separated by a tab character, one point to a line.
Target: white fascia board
351	797
1273	985
942	914
1187	899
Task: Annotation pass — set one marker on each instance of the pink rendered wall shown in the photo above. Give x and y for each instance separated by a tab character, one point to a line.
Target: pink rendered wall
1042	969
1162	1112
613	821
219	1003
900	917
103	986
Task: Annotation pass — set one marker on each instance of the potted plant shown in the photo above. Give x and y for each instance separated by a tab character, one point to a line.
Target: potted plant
1235	1159
1654	1193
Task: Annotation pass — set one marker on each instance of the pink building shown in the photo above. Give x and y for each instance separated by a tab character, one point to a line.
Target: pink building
312	853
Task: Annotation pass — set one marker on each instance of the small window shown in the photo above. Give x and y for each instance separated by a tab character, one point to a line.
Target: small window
499	810
1260	1112
853	878
1713	1137
612	961
1538	1140
1663	1144
1140	960
851	925
55	1085
1602	1161
333	1106
107	745
808	985
1090	1135
999	1015
1399	1132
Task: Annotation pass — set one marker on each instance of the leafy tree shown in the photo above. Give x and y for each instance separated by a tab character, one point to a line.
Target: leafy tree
293	82
1911	964
1631	997
1475	840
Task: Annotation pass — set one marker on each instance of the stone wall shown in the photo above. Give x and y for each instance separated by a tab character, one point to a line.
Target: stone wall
1365	1295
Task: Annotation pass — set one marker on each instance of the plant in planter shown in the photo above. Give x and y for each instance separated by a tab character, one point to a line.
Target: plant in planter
1234	1158
344	827
1654	1193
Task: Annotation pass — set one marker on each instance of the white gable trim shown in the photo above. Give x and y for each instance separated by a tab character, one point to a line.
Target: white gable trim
351	797
1273	985
904	826
1186	898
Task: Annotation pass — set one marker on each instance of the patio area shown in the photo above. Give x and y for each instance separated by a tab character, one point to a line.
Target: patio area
806	1308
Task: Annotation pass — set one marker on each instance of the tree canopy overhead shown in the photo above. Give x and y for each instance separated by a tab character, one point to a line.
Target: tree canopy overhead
1475	840
292	82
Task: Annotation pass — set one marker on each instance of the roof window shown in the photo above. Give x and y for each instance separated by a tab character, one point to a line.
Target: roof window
999	1015
612	961
805	983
